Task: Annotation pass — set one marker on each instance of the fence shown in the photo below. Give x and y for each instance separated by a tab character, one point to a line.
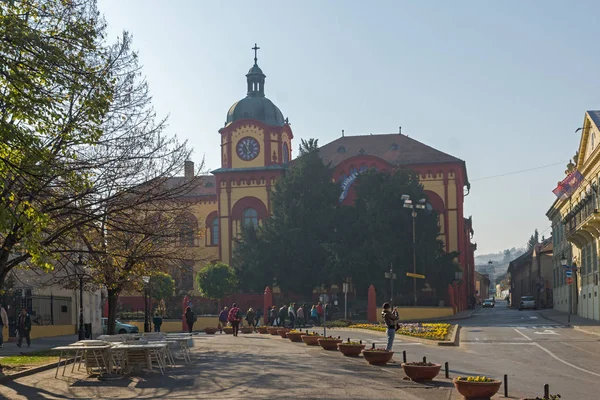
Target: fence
43	310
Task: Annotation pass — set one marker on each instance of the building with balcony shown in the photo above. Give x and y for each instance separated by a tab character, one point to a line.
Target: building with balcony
576	228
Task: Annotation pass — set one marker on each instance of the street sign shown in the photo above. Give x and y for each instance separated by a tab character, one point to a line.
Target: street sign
569	280
568	273
410	274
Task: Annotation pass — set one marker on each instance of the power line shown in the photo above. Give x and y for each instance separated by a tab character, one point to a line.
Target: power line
518	172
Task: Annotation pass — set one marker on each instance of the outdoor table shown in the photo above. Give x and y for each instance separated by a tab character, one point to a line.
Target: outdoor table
150	351
96	353
182	341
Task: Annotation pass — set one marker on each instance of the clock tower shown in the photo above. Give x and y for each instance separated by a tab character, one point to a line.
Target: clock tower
255	148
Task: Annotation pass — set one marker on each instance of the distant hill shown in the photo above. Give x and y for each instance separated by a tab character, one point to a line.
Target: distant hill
500	261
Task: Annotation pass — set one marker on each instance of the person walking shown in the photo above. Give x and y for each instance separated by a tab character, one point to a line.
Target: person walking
300	316
390	317
250	317
190	318
259	315
3	324
320	311
234	318
306	313
272	316
223	319
292	315
24	327
282	316
157	321
314	315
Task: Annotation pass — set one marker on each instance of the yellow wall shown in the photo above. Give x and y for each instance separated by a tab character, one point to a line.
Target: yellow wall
42	331
175	326
419	313
240	133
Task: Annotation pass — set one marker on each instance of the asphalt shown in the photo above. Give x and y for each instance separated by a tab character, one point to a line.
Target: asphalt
530	349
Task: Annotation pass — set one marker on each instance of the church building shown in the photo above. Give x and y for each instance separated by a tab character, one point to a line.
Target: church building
256	147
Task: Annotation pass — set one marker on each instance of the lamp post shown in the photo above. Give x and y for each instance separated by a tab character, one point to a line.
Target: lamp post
414	207
345	289
80	266
563	263
391	276
146	280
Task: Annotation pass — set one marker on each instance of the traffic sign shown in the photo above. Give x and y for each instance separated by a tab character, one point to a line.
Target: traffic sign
569	280
568	273
410	274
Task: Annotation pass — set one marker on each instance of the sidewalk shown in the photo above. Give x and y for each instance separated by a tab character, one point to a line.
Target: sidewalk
11	349
586	325
248	366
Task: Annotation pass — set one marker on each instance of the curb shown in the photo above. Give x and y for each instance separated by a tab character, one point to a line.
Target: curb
455	338
31	371
576	327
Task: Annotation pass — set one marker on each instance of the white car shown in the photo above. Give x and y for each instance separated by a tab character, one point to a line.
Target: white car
527	302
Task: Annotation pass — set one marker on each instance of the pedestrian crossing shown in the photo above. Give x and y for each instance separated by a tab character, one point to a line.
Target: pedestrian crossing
517	326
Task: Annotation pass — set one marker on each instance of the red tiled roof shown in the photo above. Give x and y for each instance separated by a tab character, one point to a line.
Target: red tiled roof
395	148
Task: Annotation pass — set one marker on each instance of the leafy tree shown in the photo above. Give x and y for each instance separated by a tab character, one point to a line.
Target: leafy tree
377	233
162	286
56	87
252	260
216	281
533	240
291	247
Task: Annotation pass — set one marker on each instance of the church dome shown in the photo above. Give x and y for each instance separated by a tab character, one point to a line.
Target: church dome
255	105
258	108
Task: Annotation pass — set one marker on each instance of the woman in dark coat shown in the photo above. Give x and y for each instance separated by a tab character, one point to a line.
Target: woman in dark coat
190	318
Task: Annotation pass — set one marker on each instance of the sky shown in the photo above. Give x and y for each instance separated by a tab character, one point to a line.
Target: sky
502	85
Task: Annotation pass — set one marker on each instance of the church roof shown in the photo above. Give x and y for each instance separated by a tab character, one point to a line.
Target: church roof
206	185
397	149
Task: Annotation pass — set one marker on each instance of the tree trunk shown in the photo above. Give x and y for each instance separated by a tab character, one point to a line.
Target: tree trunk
113	297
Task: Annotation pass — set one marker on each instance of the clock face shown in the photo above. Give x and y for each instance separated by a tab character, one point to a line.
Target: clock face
286	153
248	148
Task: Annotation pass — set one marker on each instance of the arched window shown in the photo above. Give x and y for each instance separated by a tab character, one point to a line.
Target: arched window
250	217
188	227
214	232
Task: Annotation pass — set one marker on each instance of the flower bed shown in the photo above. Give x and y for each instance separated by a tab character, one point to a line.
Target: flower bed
351	349
273	330
425	331
210	331
311	339
476	386
421	371
295	336
377	356
329	343
262	329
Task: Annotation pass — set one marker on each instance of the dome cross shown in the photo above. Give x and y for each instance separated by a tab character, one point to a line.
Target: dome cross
255	48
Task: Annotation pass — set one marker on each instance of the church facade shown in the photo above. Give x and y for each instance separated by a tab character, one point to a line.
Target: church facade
256	147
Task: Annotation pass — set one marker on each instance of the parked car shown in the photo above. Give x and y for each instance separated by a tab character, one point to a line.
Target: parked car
120	327
487	303
527	302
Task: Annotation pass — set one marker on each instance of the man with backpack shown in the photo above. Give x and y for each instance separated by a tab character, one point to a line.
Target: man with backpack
234	318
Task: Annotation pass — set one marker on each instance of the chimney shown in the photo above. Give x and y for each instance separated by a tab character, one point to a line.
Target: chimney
189	169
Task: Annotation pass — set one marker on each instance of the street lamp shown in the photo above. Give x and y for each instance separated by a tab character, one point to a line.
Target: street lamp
146	280
563	263
80	267
391	276
414	207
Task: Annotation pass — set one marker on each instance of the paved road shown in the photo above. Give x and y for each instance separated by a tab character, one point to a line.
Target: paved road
531	350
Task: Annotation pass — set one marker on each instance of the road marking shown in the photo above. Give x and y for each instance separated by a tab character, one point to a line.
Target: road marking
511	343
565	362
547	332
522	334
532	317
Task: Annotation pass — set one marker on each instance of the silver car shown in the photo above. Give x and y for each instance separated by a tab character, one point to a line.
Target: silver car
527	302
